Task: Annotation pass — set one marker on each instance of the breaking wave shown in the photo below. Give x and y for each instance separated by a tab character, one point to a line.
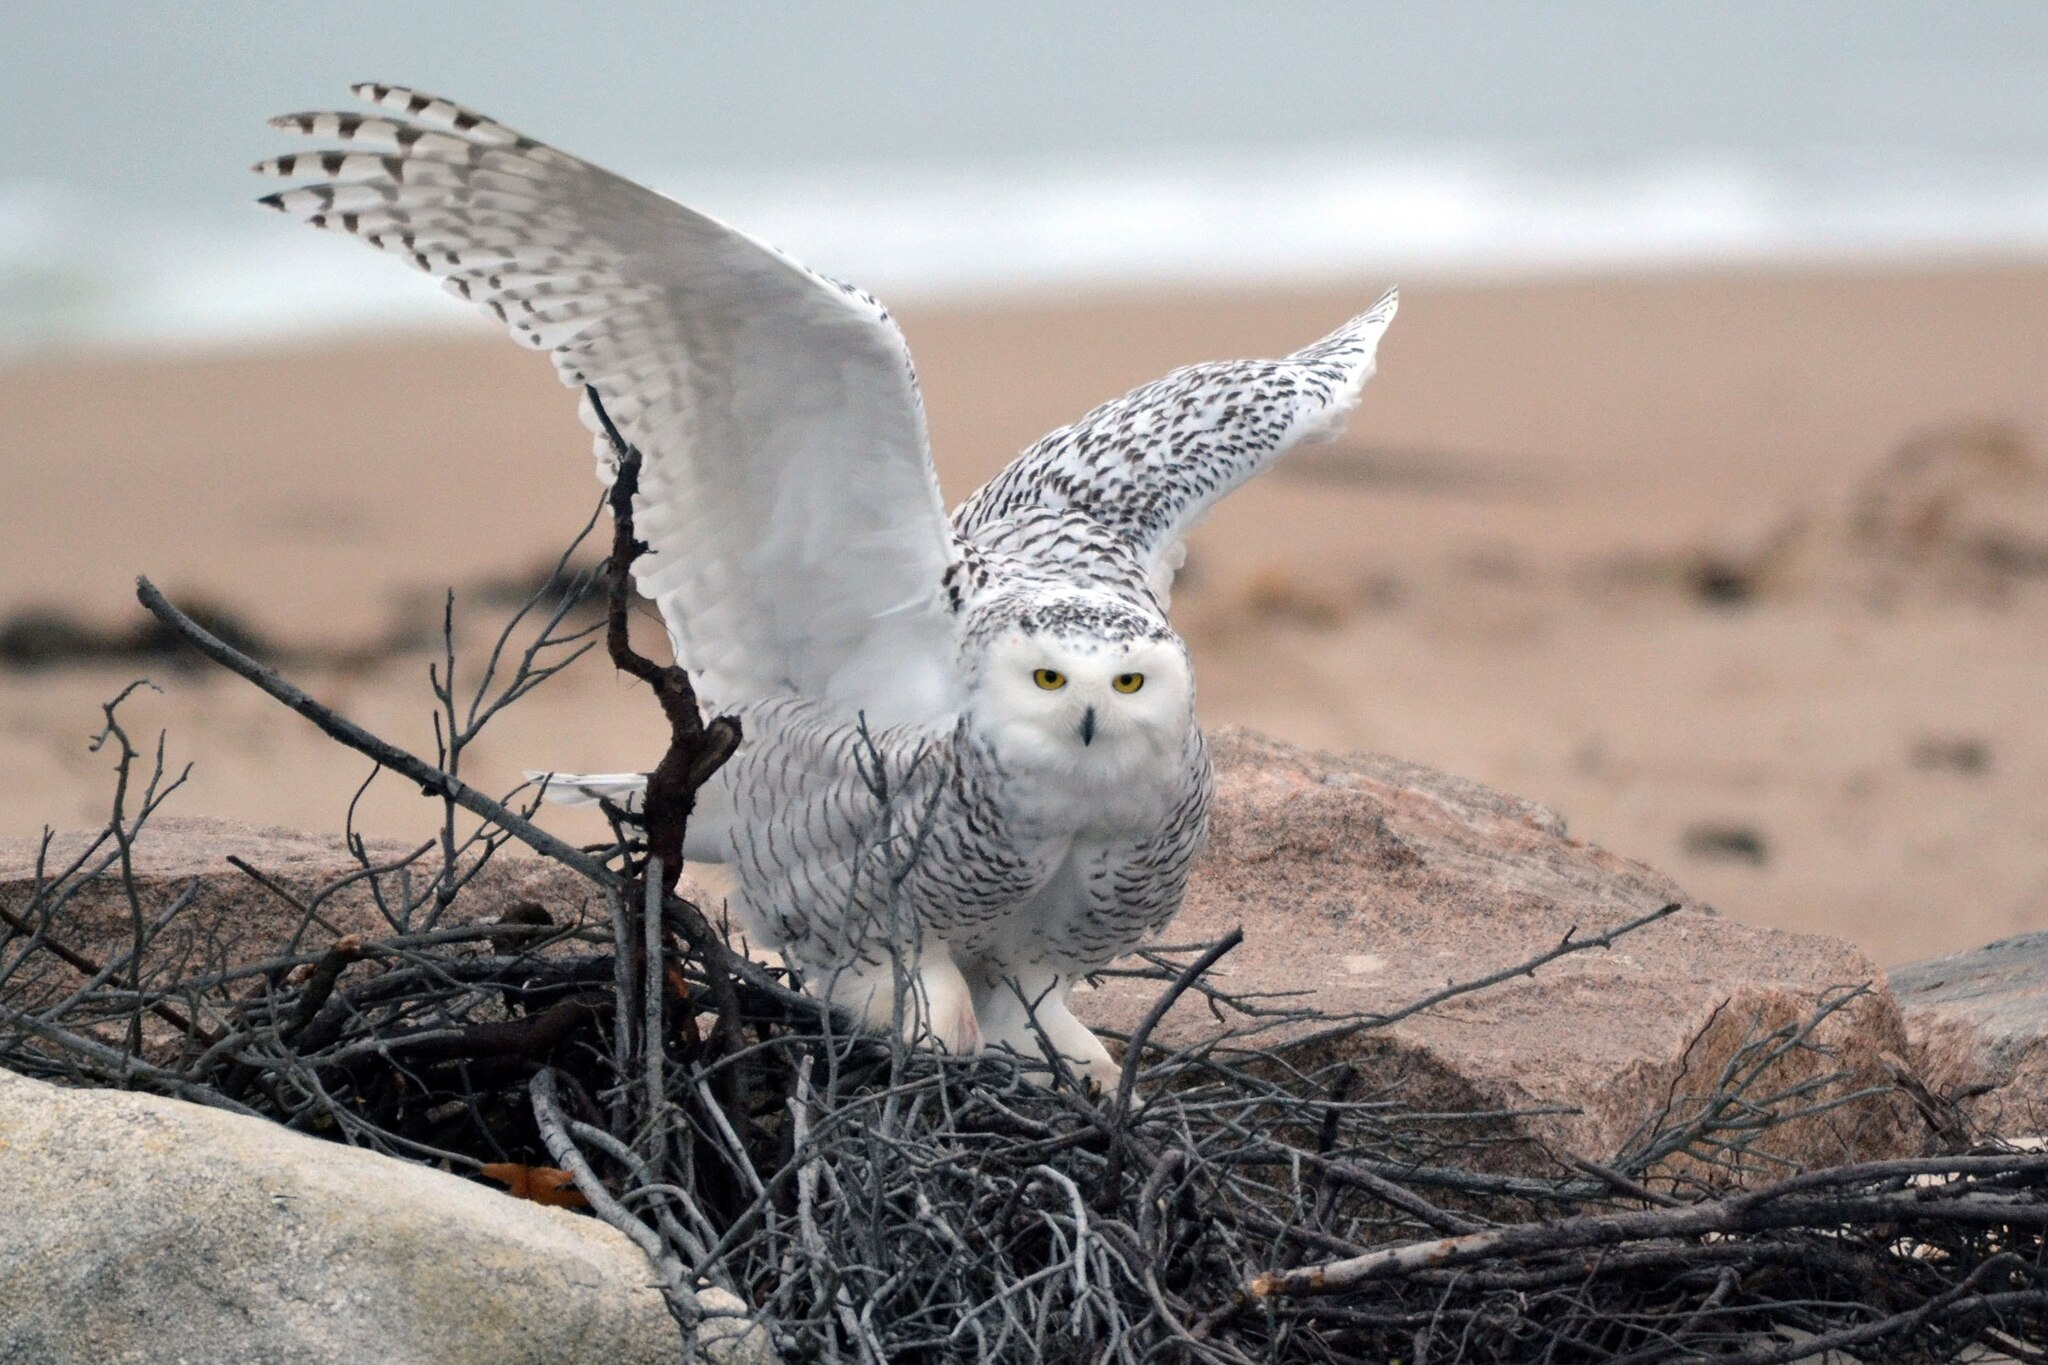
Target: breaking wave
80	274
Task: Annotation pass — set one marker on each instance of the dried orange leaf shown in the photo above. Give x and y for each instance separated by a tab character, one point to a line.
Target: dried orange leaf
541	1184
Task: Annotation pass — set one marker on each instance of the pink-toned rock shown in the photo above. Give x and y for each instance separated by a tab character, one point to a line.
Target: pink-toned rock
1364	883
246	921
1979	1028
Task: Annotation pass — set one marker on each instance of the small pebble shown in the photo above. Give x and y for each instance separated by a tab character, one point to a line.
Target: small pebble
1737	843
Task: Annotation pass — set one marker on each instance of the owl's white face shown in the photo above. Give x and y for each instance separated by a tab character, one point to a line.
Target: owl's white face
1054	701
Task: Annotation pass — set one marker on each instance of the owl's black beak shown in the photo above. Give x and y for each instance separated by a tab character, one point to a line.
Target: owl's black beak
1088	726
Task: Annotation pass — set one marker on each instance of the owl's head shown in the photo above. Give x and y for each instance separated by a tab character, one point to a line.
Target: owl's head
1081	679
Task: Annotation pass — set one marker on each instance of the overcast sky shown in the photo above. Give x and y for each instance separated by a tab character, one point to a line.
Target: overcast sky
158	105
928	146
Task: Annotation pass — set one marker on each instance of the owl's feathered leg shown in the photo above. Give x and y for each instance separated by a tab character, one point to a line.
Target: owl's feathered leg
938	1007
1027	1009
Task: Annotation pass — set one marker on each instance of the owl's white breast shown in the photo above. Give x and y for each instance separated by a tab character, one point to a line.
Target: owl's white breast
1102	792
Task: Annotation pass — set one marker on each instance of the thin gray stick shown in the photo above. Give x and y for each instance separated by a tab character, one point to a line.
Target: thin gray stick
554	1131
1569	945
654	1047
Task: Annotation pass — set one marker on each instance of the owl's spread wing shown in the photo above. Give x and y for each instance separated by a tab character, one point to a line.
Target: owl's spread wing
797	533
1148	465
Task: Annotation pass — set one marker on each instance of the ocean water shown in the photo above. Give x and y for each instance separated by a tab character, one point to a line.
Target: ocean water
954	151
980	230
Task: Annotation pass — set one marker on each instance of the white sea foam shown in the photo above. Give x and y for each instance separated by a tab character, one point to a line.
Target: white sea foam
74	273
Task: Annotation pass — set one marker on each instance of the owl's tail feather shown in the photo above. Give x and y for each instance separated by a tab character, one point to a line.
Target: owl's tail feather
627	791
705	841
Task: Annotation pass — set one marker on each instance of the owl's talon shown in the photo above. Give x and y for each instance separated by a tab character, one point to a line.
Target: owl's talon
1099	1076
962	1037
941	996
937	1009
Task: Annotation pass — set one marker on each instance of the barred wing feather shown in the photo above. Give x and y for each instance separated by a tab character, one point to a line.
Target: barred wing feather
798	539
1147	466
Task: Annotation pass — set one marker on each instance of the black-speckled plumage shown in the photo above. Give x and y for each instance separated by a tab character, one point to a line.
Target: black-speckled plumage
971	741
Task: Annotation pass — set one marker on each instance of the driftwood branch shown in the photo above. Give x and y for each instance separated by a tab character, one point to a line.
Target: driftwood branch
695	750
1783	1206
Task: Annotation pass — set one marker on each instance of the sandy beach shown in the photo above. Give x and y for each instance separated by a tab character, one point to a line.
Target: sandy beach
1560	551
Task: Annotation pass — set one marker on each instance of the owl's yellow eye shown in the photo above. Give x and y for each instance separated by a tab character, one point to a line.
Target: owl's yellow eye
1128	682
1051	679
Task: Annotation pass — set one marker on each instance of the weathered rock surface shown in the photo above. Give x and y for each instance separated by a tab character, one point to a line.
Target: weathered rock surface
1364	883
253	922
140	1229
1978	1022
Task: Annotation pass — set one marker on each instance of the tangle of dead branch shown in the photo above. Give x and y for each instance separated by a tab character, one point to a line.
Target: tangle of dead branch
1258	1196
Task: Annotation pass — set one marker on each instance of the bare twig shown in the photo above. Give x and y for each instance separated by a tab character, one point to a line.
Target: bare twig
87	968
554	1128
1759	1211
1135	1049
1567	946
430	779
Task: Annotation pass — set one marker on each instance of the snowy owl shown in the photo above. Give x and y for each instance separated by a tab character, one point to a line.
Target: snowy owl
972	772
